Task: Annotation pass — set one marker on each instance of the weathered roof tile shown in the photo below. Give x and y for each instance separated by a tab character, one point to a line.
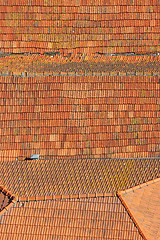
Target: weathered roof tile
7	200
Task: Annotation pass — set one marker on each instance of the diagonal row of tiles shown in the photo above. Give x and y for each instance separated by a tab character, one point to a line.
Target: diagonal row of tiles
76	176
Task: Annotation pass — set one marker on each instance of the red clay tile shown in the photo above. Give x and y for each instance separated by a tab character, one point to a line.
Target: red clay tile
142	203
51	107
98	218
64	27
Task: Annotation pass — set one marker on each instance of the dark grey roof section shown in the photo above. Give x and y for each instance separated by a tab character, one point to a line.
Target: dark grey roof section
73	176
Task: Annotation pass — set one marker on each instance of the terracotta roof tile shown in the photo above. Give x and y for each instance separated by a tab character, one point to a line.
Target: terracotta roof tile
143	204
70	116
76	176
4	200
76	99
79	26
90	218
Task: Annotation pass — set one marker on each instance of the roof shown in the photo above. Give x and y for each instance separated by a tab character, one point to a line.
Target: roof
72	199
134	214
7	200
80	26
76	176
79	86
64	116
143	205
89	218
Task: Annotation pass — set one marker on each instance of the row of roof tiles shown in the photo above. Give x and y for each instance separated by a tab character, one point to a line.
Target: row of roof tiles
42	47
124	16
72	11
79	3
82	23
79	73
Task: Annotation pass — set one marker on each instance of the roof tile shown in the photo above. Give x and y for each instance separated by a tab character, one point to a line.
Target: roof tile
47	26
70	219
76	176
66	116
143	204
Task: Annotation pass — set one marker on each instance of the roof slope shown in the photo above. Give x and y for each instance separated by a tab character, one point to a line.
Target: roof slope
117	26
143	204
74	176
90	218
80	116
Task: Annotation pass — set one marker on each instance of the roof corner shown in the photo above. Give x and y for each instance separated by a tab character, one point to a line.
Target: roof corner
7	200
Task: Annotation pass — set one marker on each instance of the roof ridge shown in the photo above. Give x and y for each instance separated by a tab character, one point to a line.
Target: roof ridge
30	66
64	196
74	73
140	186
9	194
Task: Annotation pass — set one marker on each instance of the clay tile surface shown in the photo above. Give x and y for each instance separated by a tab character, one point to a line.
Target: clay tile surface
143	205
62	116
96	218
79	26
74	176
